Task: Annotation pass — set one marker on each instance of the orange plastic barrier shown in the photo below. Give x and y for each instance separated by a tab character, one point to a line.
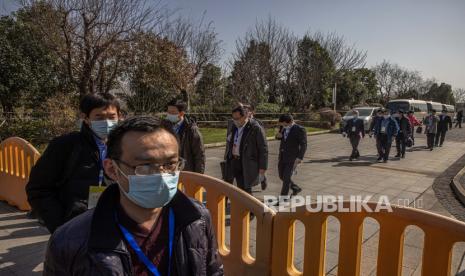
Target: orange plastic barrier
441	233
17	157
237	259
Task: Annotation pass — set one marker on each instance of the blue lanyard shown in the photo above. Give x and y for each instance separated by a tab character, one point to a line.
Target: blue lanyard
142	257
236	135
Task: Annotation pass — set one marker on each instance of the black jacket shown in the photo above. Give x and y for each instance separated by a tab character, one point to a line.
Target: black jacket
359	128
444	123
92	244
405	128
191	147
294	146
58	186
253	151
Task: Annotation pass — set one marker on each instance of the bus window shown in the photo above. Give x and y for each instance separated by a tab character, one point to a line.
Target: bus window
423	107
395	106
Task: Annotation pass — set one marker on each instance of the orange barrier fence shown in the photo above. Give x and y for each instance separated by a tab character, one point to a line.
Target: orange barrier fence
275	231
441	233
17	157
237	259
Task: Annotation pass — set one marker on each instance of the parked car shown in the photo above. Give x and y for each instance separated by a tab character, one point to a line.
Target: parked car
365	113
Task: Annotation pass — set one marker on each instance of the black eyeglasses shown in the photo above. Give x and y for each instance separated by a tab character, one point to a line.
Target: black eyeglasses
153	168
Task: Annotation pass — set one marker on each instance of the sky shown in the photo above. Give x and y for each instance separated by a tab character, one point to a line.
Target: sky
423	35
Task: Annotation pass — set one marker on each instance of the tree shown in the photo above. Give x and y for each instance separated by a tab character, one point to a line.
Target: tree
210	86
249	81
158	71
91	37
314	72
441	93
459	94
345	57
356	87
387	75
28	69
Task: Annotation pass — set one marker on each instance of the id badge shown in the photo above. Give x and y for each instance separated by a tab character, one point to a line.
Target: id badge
353	129
94	195
383	129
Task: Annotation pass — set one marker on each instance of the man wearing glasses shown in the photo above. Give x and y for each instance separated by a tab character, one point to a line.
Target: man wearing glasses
142	225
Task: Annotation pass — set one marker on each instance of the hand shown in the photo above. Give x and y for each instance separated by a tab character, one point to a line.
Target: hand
279	135
262	172
296	163
261	178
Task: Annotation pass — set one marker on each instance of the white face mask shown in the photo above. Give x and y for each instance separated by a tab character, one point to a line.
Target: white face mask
174	118
386	116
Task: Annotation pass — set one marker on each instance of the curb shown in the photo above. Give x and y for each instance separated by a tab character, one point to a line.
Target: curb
458	189
222	144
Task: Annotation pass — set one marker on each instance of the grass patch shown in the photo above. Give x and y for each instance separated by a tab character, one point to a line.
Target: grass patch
217	135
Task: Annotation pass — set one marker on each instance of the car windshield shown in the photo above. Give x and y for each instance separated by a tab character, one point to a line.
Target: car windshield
361	112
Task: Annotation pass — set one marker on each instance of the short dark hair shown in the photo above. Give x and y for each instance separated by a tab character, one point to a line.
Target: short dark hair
147	124
380	110
433	110
179	104
249	107
92	101
241	109
286	118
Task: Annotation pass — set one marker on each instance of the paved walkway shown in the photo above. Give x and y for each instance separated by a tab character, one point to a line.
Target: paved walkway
417	180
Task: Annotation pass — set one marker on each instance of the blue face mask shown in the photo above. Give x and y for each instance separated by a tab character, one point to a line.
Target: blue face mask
152	191
173	118
102	128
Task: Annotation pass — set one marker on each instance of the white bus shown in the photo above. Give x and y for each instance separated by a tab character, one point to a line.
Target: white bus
420	108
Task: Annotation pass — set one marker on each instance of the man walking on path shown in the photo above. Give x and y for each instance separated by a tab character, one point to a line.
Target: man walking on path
404	133
61	181
444	124
355	130
292	150
384	130
246	152
190	140
431	126
459	119
376	119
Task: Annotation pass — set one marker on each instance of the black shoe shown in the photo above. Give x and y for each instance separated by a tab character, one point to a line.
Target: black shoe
350	159
385	161
397	155
430	149
379	159
296	191
264	184
403	156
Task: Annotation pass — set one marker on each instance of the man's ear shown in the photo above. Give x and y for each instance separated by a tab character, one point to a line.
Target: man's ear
110	169
85	118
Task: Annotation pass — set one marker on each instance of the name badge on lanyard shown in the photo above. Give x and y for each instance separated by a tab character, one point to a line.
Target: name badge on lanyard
383	129
95	192
353	129
140	255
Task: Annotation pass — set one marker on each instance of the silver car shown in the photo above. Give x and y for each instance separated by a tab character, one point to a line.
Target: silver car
365	113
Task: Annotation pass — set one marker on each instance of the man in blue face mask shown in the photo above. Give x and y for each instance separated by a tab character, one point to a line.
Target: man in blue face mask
142	225
190	139
61	182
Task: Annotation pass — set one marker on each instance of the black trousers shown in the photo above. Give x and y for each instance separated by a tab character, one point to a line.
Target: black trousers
440	137
385	145
378	146
285	171
459	123
401	143
354	141
238	174
430	140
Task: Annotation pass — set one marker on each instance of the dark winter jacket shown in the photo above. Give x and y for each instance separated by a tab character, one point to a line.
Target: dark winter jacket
355	128
58	187
253	152
191	146
444	122
391	130
92	244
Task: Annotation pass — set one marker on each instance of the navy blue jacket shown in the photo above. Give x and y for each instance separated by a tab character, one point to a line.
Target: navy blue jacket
392	128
